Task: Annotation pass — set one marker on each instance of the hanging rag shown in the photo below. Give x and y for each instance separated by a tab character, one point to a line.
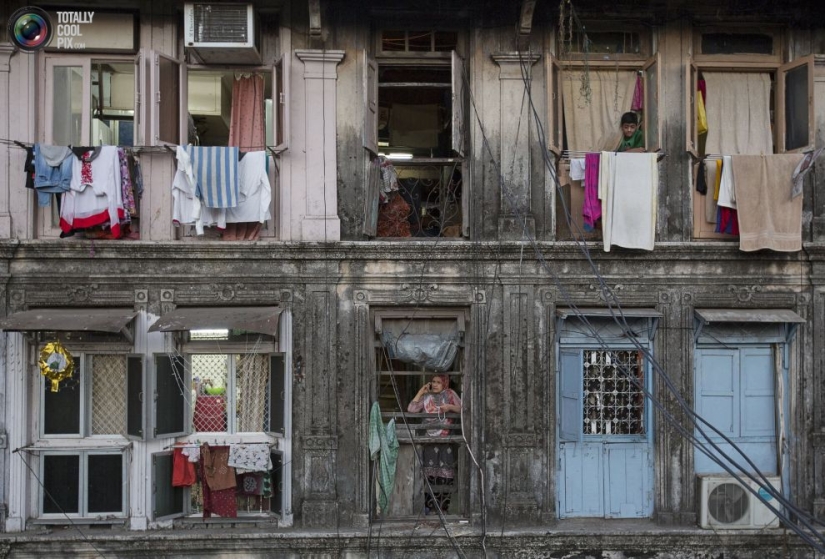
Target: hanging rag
727	185
803	169
701	115
183	471
249	458
739	106
383	444
592	207
638	103
216	175
52	172
709	166
768	216
219	475
701	184
630	183
577	168
727	221
216	501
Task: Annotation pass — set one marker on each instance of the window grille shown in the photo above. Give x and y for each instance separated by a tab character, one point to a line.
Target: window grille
613	395
108	395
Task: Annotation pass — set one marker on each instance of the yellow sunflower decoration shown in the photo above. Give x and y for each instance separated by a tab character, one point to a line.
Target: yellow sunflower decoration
56	364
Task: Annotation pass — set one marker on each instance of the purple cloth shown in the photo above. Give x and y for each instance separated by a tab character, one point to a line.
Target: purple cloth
638	95
592	208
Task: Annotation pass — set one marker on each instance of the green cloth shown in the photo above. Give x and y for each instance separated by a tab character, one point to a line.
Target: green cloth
384	447
637	140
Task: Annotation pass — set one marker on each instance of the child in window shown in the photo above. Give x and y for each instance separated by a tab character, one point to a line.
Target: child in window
633	139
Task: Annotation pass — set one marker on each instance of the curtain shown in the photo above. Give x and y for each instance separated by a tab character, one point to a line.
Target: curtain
738	109
252	378
595	126
247	131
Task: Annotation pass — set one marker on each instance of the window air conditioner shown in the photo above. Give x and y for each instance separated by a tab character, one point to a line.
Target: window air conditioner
221	33
727	504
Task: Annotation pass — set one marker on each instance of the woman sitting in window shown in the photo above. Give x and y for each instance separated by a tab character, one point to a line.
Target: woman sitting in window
438	460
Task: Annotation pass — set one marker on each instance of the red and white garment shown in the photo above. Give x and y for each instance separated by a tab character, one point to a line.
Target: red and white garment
95	196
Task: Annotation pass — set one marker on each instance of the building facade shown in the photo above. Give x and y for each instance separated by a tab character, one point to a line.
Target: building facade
422	213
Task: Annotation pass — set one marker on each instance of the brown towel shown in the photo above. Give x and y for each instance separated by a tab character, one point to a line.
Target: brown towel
768	216
219	475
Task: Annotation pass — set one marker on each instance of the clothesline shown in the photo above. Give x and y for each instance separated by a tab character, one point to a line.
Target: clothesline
198	444
570	154
136	150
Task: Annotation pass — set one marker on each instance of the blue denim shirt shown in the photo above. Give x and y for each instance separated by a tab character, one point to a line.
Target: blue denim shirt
49	180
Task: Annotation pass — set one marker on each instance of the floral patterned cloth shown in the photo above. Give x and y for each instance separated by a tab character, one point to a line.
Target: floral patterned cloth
221	502
218	474
126	185
250	458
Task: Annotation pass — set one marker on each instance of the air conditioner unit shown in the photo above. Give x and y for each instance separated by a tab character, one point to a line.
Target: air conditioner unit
727	504
221	33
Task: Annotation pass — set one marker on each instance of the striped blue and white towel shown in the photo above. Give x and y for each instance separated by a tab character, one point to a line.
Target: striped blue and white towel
216	174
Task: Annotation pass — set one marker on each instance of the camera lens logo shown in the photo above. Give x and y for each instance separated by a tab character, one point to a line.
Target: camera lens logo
30	29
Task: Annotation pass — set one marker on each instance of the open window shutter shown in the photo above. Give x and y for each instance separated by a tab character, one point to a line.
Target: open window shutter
370	104
167	501
691	77
371	199
277	394
459	103
276	502
141	132
169	100
554	107
796	105
135	399
758	392
717	383
169	397
653	131
570	389
280	98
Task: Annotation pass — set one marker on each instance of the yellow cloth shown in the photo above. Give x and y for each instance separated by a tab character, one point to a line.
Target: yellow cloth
701	115
718	179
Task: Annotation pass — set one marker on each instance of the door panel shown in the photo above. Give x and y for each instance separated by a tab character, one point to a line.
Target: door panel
581	480
627	480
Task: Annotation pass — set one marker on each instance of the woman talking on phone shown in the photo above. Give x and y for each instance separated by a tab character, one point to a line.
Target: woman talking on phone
438	460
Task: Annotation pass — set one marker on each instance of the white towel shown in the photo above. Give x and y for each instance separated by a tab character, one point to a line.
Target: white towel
630	193
577	169
727	189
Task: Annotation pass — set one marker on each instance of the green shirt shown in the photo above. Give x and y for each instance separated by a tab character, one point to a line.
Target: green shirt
637	140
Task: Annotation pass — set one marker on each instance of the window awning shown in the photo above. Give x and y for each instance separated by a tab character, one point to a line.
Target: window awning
261	320
605	312
709	316
786	321
69	320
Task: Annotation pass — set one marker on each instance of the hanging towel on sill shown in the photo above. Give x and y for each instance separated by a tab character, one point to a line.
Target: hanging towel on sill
216	175
768	216
629	184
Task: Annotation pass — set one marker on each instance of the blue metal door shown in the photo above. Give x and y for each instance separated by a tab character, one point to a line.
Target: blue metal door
605	461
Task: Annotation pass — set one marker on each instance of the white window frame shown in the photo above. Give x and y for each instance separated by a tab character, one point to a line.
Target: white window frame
47	219
83	486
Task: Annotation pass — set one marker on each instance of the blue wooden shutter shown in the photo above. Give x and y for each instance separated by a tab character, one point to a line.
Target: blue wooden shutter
717	380
758	393
570	381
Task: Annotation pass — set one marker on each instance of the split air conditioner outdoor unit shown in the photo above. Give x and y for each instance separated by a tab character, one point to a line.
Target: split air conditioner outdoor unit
221	33
726	504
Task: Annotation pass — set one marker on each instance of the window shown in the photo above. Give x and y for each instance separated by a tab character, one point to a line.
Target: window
200	113
83	484
735	392
414	350
230	385
586	97
767	106
89	409
90	101
415	105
